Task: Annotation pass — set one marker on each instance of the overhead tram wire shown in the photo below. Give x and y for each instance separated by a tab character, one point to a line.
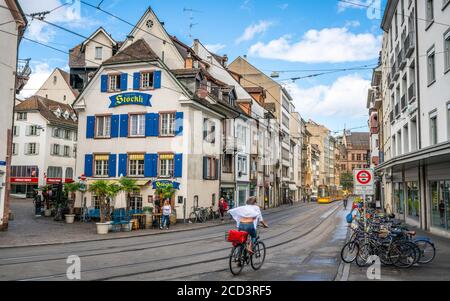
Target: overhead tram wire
139	60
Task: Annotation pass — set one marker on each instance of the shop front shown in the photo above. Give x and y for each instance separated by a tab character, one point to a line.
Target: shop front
24	180
440	204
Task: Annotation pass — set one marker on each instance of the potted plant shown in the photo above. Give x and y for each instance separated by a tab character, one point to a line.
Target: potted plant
112	192
148	211
129	186
101	189
71	189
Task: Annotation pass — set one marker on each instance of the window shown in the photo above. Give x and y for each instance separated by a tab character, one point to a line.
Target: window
114	82
24	171
67	135
56	133
15	149
353	157
147	80
55	80
22	116
103	127
54	172
433	129
242	165
55	150
209	131
429	13
167	124
75	151
67	151
447	50
358	157
210	171
166	165
31	149
69	173
137	125
136	202
98	53
227	166
431	66
16	131
75	136
136	165
448	121
101	165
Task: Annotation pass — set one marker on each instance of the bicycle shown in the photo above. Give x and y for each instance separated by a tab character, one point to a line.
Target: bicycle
197	215
240	256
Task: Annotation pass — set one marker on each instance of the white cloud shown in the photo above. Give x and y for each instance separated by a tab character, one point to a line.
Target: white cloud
251	31
69	15
41	72
345	98
329	45
215	47
284	6
352	23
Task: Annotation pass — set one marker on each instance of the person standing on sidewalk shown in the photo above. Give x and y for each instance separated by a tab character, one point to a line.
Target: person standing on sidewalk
166	212
223	208
345	203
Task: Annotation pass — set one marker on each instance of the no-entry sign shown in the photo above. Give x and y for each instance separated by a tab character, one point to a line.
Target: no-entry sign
363	181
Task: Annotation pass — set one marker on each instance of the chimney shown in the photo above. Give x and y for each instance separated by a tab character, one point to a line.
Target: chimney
189	62
225	60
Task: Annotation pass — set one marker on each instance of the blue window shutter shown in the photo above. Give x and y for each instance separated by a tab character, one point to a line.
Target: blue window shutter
124	82
104	83
136	81
123	162
115	126
148	124
112	166
88	165
124	125
157	80
178	168
155	125
90	127
148	166
179	124
154	165
217	170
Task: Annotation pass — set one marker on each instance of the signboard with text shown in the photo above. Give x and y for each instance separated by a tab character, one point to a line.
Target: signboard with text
364	180
132	98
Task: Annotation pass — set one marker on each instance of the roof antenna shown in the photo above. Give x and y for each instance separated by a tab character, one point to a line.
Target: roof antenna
191	19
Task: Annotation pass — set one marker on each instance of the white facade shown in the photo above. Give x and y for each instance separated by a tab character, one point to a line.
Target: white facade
57	88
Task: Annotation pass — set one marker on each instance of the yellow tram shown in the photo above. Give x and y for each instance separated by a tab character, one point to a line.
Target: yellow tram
328	195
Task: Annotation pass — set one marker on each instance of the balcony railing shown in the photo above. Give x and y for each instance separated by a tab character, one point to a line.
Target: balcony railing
391	117
395	70
403	102
409	44
411	92
401	59
22	74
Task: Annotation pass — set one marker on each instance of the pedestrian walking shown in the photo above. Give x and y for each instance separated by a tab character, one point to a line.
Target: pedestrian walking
223	208
345	203
166	212
304	199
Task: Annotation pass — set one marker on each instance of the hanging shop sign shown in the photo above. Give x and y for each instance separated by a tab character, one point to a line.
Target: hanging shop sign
163	184
24	180
131	98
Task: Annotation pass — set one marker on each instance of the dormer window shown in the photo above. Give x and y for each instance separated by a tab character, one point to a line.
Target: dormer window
147	80
58	112
98	53
74	117
208	86
66	115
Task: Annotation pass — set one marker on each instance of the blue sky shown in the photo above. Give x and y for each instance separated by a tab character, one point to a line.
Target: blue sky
275	34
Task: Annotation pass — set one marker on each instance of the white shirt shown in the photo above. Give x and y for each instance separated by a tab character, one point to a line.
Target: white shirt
249	211
167	210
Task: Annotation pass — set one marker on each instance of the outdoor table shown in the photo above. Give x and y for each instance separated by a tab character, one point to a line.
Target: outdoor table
141	220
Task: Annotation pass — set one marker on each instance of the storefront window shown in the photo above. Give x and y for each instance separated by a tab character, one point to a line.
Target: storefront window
413	200
399	199
242	196
136	202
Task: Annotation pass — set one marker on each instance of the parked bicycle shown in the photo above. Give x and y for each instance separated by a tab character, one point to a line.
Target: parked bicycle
240	256
197	215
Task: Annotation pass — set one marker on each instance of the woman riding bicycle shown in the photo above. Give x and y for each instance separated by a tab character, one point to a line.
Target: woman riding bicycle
247	218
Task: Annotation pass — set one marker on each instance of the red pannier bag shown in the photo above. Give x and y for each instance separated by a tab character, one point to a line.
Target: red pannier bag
237	237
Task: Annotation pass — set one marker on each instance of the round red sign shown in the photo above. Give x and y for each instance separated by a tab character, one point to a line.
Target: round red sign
364	177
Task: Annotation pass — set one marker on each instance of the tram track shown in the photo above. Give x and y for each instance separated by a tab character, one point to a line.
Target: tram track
215	258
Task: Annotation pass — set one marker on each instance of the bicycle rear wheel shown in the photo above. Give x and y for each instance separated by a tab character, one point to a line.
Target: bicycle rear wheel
349	252
364	253
236	261
257	259
427	251
193	217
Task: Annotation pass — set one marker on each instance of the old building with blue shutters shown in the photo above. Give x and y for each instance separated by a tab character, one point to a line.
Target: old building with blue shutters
142	116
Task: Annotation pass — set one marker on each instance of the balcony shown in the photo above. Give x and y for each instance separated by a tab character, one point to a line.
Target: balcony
395	71
397	110
391	117
412	93
409	44
403	103
22	74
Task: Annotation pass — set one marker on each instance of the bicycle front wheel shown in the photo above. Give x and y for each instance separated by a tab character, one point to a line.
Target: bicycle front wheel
259	255
427	251
193	217
349	252
236	260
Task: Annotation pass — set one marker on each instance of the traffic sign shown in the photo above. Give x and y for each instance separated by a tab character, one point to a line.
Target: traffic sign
363	181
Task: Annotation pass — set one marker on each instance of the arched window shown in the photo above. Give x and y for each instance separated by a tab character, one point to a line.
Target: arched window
54	172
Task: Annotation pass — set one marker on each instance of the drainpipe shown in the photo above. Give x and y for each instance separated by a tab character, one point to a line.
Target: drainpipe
417	77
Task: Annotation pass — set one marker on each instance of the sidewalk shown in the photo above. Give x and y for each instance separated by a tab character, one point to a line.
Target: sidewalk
28	230
438	270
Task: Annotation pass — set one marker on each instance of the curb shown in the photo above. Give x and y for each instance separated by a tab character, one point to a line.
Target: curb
272	210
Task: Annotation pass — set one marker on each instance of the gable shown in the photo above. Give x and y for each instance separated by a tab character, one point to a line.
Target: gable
152	31
57	88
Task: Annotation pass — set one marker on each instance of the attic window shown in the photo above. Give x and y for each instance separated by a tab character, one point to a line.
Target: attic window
74	117
66	115
58	112
55	80
149	23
